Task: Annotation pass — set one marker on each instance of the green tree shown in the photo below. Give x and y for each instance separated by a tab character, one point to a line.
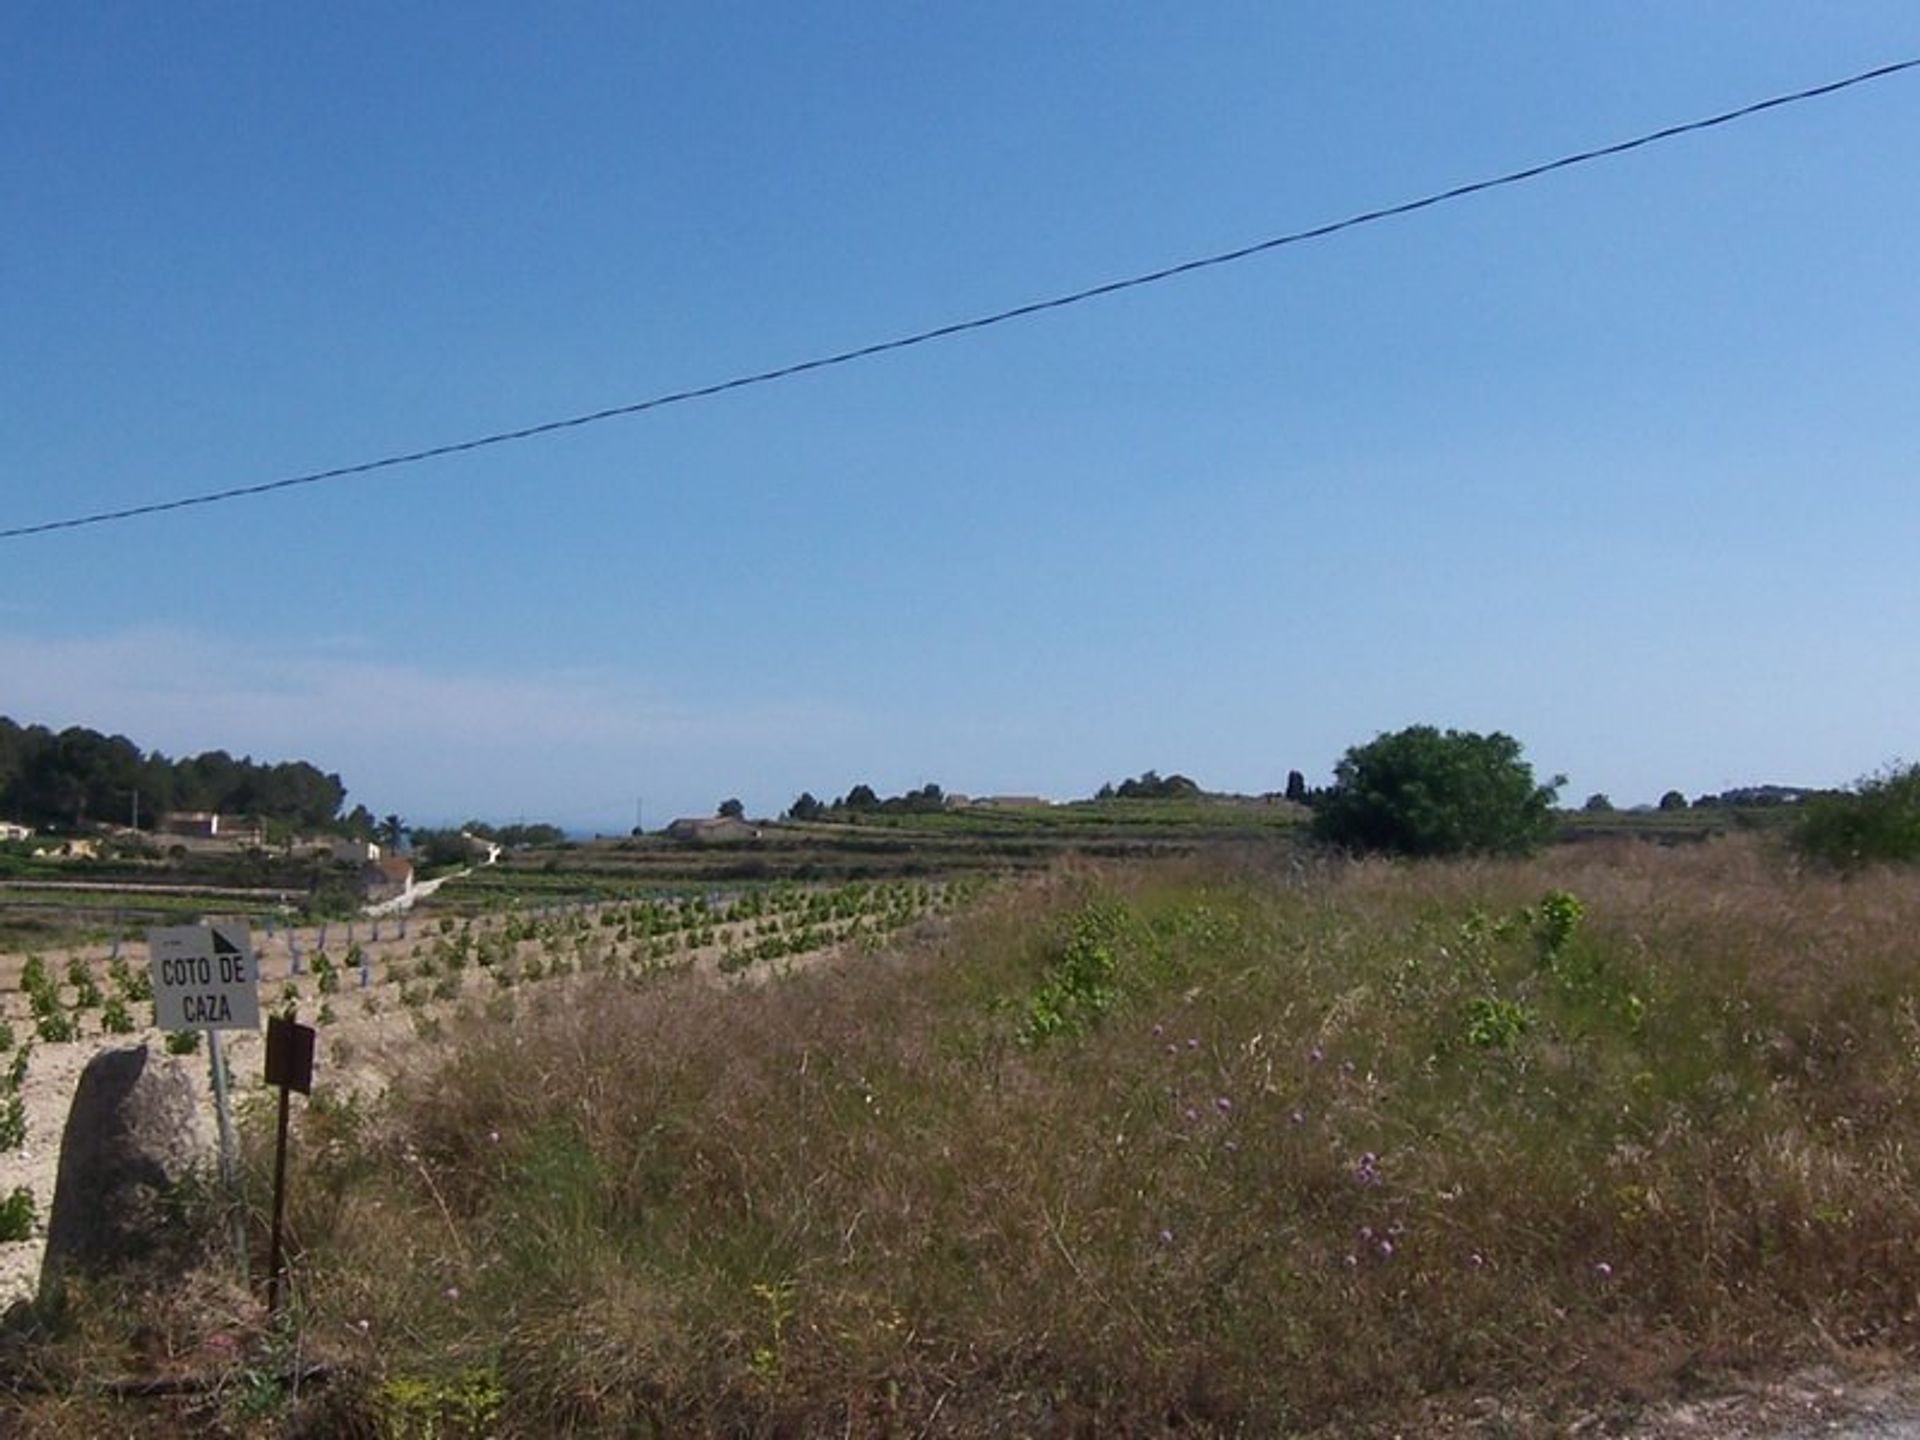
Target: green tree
805	807
1296	787
1877	821
1597	804
732	809
1423	791
1673	800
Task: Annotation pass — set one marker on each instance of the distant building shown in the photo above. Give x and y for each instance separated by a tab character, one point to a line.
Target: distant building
69	850
348	851
11	831
1011	802
483	850
386	879
712	831
210	825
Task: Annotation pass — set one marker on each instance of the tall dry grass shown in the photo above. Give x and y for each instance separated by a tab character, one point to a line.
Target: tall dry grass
1311	1148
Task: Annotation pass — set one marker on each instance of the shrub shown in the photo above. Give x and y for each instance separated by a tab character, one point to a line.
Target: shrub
57	1027
1877	821
13	1122
1425	792
17	1215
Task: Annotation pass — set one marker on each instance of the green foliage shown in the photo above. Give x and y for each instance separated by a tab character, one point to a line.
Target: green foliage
1151	785
135	985
1493	1023
76	775
183	1042
1426	792
6	1035
13	1122
441	1407
1081	984
1673	800
86	990
116	1018
56	1027
17	1215
1557	918
1878	821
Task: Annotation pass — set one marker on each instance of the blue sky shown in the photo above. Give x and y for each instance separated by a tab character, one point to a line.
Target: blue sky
1620	462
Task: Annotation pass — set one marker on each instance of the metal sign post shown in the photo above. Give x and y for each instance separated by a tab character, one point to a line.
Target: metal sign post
205	978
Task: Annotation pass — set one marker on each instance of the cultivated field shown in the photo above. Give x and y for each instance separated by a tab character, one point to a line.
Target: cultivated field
1236	1142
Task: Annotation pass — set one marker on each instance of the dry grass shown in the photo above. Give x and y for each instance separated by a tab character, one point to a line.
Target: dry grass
1339	1149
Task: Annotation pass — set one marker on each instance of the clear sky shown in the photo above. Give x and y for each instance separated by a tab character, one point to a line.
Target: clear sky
1620	462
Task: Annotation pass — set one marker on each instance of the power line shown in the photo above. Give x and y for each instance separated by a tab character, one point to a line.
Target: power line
978	322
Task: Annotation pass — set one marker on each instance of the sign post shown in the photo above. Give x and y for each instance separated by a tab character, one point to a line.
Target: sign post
205	978
289	1066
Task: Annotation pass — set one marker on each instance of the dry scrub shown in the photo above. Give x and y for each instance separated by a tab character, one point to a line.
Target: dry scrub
1242	1150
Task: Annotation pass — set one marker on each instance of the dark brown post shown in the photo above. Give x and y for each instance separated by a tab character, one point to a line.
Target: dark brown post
289	1066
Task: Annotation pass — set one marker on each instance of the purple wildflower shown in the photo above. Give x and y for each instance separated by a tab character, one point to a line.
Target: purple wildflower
1223	1104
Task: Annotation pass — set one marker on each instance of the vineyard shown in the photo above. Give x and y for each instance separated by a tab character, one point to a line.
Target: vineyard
380	992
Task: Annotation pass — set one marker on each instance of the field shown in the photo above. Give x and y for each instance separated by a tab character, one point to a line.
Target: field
1229	1140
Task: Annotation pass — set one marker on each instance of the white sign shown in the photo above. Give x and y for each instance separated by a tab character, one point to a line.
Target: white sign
204	977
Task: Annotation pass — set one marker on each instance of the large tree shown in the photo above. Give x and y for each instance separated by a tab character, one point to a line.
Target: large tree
1424	791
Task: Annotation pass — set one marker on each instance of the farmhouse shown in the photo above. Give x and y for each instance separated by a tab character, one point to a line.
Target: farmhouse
386	879
346	850
712	831
79	849
210	825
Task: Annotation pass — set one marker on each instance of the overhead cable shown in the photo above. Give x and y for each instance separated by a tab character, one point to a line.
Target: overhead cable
978	322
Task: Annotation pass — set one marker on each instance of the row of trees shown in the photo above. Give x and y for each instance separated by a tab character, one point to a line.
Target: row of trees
77	776
864	800
1150	785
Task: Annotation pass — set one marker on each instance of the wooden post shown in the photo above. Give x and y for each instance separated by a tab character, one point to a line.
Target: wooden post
275	1263
289	1066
